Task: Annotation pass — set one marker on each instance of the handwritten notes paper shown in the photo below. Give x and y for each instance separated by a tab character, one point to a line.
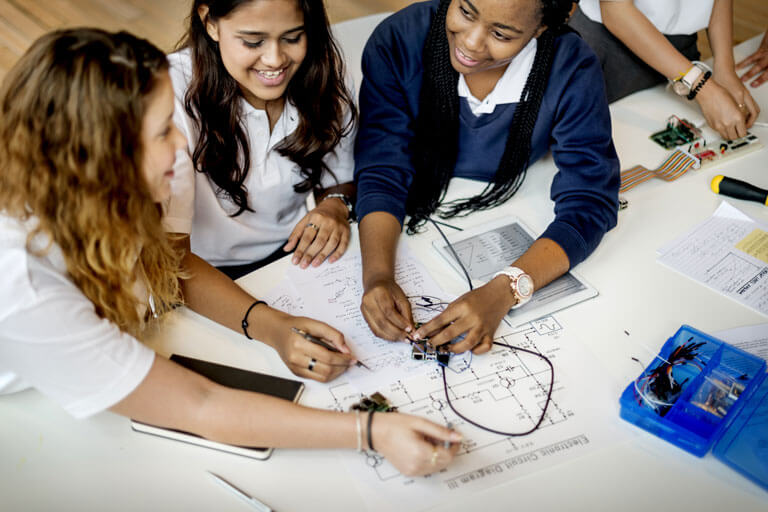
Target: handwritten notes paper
727	253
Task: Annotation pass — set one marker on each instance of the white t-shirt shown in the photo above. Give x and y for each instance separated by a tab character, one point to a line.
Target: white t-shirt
670	17
197	209
51	337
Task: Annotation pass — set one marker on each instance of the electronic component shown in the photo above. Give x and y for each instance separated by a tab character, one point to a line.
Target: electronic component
376	402
423	351
683	134
678	132
717	395
719	151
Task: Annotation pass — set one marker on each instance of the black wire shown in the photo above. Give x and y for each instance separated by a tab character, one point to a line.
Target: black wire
453	252
511	347
543	411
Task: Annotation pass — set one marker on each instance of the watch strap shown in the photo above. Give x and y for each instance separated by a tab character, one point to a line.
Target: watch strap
346	200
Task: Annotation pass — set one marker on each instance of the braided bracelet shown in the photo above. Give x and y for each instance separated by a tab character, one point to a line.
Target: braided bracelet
695	90
245	318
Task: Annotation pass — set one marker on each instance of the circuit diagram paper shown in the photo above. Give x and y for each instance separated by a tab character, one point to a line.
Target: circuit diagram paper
332	293
503	389
725	253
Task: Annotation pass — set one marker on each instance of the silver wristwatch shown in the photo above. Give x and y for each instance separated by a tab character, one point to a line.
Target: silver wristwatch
520	283
347	202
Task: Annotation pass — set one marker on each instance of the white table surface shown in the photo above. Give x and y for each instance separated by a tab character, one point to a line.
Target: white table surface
50	461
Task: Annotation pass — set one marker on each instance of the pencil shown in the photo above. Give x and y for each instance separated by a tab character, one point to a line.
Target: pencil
324	344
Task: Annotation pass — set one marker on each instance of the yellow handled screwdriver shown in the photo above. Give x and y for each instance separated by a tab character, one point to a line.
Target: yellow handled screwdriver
739	189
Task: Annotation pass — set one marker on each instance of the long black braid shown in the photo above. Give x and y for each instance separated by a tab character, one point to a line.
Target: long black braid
435	140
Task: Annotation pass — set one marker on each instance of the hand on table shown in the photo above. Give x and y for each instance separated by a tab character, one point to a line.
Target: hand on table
415	446
386	308
759	63
320	234
476	314
305	358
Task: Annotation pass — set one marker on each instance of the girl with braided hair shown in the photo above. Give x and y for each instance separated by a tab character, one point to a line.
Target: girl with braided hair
478	89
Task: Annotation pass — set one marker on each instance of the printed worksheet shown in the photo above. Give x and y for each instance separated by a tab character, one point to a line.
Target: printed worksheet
727	253
333	293
505	390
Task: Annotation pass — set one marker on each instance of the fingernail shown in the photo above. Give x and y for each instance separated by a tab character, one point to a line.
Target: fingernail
294	260
416	336
455	437
408	329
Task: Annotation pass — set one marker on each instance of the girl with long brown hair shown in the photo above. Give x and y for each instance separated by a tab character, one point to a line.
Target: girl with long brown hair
87	146
263	102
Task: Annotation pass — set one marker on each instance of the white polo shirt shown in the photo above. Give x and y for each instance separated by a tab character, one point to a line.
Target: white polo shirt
509	87
51	337
670	17
198	208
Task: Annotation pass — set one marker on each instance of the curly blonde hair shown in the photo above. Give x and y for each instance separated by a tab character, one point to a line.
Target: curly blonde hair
71	113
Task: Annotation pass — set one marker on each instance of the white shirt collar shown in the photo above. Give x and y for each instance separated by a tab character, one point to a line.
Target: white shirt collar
509	87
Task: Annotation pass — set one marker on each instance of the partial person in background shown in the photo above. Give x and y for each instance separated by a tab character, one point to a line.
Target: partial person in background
642	43
87	146
478	89
759	63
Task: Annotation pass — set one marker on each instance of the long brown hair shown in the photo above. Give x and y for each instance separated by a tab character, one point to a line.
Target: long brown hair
326	108
71	112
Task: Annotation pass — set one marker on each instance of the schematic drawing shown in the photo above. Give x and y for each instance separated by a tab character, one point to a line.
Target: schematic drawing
504	389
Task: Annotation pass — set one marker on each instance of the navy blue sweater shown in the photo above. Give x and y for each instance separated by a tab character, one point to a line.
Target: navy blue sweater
573	122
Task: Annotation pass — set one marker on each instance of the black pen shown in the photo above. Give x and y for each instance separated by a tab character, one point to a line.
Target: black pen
324	344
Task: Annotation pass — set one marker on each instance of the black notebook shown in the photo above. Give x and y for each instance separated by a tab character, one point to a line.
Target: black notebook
234	378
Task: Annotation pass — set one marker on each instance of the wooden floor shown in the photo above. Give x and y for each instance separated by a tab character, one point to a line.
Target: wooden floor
162	22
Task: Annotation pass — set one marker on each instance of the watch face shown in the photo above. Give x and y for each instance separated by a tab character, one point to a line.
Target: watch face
680	88
525	286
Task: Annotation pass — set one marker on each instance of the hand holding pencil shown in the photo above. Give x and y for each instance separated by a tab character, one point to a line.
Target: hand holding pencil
305	357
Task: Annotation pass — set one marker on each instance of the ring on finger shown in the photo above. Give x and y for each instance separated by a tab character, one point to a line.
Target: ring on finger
434	455
312	362
313	226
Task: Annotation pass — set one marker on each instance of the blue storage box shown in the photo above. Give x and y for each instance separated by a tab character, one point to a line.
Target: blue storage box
701	392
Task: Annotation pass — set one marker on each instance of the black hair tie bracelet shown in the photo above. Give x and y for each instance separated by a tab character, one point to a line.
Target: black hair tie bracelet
245	318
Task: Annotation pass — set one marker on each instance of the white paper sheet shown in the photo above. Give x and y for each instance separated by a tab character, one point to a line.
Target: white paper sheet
503	389
727	253
751	338
333	294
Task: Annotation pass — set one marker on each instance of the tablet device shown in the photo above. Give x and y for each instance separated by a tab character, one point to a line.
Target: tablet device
237	378
488	248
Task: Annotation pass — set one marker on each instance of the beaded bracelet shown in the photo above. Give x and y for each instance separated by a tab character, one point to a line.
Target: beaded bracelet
695	90
245	318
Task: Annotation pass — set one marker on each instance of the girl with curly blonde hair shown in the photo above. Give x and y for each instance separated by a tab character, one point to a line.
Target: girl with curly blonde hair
87	147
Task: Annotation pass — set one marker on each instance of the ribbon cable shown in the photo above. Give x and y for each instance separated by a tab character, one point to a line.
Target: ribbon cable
677	164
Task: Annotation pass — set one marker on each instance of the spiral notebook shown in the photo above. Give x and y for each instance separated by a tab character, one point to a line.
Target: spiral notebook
237	378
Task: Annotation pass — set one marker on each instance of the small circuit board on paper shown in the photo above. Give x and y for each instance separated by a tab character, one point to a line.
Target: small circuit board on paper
683	134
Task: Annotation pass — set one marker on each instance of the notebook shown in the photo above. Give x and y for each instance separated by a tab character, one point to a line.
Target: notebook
234	378
492	246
